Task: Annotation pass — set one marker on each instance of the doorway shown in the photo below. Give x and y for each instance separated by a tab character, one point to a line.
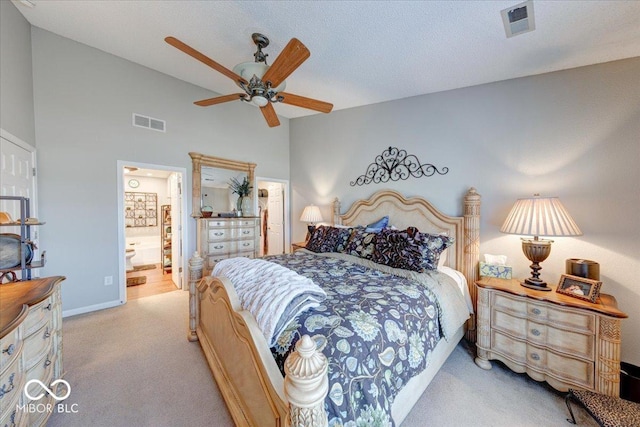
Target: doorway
151	217
273	206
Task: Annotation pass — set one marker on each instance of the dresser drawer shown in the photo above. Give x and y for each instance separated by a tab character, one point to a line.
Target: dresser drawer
11	383
38	315
214	259
580	321
234	223
10	346
221	234
563	368
564	341
231	247
38	344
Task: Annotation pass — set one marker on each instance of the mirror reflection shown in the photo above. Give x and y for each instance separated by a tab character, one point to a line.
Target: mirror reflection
217	196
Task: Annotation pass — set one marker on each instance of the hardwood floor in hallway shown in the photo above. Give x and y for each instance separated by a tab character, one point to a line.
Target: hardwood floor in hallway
157	283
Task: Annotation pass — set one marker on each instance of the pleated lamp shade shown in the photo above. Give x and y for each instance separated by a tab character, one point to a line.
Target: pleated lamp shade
540	216
311	214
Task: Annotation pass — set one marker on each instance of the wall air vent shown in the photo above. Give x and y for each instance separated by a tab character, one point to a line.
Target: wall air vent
518	19
149	123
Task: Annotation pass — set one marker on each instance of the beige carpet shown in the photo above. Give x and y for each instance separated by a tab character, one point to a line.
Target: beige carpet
133	366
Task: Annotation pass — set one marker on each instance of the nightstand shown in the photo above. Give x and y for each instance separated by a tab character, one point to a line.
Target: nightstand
565	341
299	245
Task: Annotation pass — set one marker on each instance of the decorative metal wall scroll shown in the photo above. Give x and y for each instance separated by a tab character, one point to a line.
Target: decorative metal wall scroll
140	209
394	164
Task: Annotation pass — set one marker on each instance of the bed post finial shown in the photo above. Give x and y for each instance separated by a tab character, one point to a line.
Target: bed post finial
336	212
306	384
195	274
471	251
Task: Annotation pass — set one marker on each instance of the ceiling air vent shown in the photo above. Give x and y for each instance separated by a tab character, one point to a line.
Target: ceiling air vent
518	19
149	123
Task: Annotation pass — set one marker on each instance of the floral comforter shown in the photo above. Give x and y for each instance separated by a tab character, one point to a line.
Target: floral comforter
377	330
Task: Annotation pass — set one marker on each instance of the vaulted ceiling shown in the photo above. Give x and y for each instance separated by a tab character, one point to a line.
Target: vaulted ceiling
362	52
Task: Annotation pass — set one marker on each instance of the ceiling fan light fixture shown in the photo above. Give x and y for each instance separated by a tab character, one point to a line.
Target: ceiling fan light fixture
259	100
249	69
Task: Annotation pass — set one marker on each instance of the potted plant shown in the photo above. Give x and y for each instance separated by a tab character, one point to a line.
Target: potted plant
242	189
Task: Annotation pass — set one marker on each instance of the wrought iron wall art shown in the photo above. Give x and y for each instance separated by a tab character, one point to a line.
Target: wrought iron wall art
395	164
140	209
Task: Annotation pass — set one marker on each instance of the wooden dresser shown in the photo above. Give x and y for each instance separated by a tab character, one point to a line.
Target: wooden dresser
568	342
31	346
220	238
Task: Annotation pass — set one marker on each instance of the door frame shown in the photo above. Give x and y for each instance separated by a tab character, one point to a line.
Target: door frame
122	280
30	148
287	211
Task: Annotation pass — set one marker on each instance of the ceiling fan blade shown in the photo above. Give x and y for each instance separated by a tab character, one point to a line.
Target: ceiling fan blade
294	54
270	115
204	59
220	99
301	101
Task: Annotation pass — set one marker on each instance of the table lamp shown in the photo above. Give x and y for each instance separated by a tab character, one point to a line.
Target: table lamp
539	216
311	215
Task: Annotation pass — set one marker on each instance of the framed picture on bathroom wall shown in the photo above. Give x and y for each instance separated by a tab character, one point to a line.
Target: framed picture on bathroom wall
140	209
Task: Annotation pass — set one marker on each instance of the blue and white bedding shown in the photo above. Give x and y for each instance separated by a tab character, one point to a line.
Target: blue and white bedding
377	327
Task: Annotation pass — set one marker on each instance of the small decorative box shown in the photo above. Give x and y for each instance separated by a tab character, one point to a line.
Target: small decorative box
491	270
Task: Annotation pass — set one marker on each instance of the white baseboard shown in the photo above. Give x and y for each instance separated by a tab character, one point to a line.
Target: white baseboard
90	308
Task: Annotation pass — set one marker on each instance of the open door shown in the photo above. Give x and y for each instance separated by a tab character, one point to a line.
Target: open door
175	183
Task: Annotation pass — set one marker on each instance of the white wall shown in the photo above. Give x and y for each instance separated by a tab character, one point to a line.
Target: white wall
84	100
16	84
573	134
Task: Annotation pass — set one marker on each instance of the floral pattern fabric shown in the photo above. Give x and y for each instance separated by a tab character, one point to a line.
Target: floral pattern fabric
328	239
410	249
361	243
376	329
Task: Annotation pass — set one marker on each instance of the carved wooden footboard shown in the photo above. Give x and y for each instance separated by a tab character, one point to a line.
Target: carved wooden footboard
244	368
237	352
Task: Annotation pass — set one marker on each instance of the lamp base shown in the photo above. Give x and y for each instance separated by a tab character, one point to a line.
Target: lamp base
537	284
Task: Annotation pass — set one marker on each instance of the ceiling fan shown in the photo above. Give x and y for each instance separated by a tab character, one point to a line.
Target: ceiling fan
263	85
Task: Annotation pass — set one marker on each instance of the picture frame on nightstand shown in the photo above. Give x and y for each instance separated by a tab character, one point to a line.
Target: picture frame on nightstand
579	287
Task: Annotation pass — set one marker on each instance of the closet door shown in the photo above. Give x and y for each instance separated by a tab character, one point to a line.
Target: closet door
17	161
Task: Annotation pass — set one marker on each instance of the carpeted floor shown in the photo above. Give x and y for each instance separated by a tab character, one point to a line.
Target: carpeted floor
133	366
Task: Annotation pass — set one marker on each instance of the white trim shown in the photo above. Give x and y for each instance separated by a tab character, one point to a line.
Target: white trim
14	139
90	308
122	281
287	210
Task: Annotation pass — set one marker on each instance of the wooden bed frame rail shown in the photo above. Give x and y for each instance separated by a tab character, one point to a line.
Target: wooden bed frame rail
247	375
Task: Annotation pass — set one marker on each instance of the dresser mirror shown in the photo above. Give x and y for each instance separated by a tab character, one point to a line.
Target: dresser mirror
211	177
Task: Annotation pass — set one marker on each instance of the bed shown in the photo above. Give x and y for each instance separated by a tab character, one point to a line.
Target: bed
251	381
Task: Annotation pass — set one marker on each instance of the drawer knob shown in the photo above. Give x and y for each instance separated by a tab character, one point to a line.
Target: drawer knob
246	232
9	350
47	363
535	356
535	332
218	234
536	311
47	334
246	244
218	247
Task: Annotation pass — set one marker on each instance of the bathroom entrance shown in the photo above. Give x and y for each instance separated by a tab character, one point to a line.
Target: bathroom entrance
152	240
273	203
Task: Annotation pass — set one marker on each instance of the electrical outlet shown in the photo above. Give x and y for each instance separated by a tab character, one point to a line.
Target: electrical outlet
108	280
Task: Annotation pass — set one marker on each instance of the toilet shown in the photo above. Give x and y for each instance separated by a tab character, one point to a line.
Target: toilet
130	254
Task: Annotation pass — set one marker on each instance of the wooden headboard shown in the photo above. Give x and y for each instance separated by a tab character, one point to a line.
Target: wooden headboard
418	212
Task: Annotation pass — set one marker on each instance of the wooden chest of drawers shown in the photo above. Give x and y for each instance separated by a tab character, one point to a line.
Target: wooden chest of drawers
552	337
220	238
31	347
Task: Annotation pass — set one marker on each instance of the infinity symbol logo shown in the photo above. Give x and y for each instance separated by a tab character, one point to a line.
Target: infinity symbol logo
44	386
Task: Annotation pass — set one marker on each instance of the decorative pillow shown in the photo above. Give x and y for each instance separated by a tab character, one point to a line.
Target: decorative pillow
379	225
398	249
328	239
409	249
361	243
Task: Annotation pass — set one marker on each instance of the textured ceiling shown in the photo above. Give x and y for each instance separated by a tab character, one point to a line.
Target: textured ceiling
361	52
